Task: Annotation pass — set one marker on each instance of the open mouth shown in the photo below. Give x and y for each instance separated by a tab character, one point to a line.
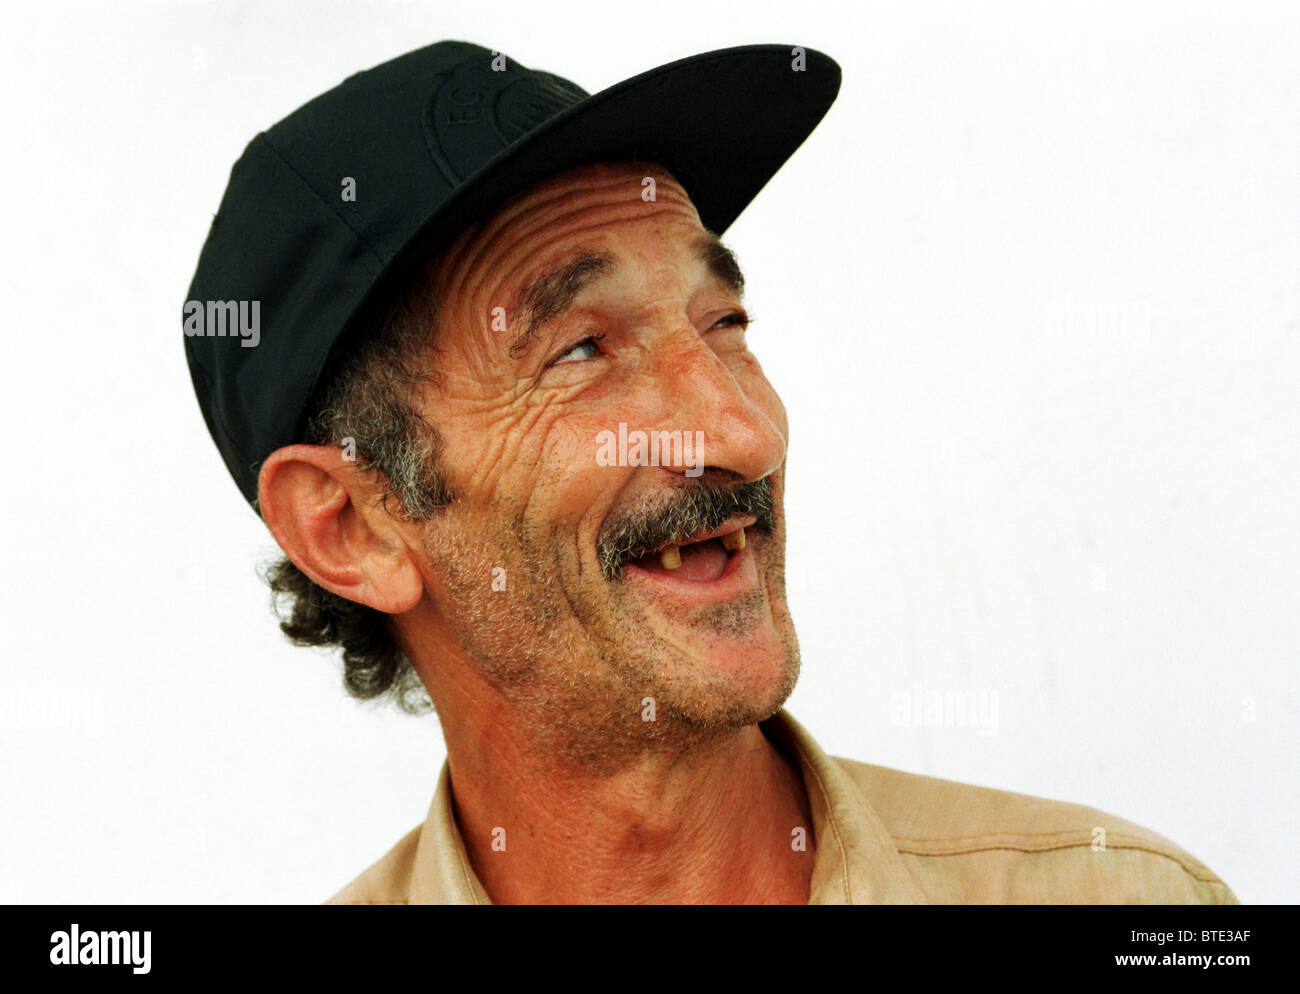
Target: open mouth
703	559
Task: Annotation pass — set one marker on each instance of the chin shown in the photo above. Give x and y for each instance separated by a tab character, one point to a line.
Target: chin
731	683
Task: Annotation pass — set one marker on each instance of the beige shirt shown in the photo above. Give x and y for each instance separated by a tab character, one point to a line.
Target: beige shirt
884	837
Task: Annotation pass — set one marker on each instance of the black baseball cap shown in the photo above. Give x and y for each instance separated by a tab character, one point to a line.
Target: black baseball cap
335	208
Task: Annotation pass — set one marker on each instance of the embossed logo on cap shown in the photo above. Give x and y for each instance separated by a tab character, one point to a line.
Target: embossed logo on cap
474	112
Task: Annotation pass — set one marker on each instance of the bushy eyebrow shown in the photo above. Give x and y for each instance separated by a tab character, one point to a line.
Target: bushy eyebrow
721	262
552	293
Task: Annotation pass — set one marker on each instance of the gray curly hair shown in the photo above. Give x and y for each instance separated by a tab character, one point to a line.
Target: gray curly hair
367	399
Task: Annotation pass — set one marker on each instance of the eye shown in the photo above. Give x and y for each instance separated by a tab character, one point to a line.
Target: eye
585	349
736	319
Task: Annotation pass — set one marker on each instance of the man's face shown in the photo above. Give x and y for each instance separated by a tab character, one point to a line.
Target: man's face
578	308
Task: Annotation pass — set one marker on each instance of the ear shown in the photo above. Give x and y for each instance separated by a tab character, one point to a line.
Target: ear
325	513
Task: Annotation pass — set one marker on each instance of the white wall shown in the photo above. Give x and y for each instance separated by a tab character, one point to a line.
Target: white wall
1030	293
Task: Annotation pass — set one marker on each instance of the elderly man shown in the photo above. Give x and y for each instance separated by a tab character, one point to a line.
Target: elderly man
469	342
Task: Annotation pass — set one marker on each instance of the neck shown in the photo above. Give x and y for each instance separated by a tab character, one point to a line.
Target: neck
713	823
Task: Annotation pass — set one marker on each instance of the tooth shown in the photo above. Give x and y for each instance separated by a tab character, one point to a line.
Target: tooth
734	541
671	557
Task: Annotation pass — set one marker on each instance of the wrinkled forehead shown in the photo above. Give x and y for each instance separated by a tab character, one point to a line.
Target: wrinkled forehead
630	183
590	206
644	178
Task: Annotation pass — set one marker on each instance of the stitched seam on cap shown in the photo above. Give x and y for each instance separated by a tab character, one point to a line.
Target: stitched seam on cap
329	207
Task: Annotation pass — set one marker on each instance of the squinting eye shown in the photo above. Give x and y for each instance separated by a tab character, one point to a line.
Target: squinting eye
736	319
585	349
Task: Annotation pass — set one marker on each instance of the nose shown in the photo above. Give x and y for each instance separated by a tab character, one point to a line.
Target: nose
729	416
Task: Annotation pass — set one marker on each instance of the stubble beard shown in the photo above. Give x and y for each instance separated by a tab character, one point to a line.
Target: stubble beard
592	685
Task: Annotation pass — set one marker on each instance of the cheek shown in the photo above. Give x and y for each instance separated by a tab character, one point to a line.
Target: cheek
578	483
538	454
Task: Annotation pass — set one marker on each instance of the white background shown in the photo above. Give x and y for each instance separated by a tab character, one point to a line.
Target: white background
1030	294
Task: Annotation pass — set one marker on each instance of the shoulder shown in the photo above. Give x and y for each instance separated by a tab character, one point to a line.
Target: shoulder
969	844
388	880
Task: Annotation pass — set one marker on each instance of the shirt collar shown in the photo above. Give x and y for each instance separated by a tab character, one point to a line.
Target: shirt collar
442	873
856	860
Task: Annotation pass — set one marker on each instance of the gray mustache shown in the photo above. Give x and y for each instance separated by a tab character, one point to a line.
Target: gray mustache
688	511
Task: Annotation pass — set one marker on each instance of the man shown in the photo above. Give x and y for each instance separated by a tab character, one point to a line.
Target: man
469	342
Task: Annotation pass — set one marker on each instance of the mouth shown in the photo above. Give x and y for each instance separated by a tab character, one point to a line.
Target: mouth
711	562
